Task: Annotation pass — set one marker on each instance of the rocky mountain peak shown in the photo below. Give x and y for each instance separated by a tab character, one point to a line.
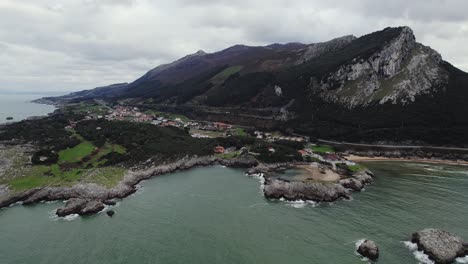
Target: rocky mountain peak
396	73
317	49
200	53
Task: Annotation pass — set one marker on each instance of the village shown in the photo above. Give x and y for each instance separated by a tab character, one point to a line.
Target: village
207	129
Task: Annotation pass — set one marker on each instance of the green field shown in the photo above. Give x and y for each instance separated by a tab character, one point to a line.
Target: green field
86	108
76	153
240	132
228	155
167	115
71	168
321	149
356	168
222	76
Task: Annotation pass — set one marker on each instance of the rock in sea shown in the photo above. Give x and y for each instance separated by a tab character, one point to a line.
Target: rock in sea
110	213
369	249
441	246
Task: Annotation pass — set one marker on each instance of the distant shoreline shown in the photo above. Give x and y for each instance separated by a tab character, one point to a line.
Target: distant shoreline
356	158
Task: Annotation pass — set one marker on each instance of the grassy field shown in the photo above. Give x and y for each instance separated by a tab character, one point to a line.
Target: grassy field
222	76
228	155
356	168
76	153
85	108
69	170
322	149
240	132
167	115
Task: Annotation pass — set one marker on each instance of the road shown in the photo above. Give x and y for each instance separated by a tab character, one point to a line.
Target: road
391	146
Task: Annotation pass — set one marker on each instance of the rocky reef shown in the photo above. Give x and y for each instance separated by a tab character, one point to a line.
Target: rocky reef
369	249
441	246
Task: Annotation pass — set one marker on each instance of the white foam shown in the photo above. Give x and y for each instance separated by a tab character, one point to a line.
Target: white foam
419	255
54	217
71	217
17	203
462	260
357	243
260	178
297	204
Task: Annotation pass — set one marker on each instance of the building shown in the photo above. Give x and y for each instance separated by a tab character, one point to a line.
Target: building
222	126
219	150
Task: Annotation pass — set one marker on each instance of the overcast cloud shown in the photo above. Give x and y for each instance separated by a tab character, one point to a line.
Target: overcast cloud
66	45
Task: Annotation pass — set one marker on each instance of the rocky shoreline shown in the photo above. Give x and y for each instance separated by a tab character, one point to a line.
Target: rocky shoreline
86	199
309	190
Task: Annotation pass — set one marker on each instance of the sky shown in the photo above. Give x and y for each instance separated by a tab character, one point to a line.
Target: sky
70	45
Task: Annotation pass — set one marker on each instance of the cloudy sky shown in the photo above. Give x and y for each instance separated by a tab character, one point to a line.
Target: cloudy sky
66	45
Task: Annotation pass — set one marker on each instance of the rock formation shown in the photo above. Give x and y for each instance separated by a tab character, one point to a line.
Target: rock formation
369	249
441	246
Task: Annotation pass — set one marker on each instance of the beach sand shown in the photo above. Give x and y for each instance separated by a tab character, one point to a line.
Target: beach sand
435	161
313	172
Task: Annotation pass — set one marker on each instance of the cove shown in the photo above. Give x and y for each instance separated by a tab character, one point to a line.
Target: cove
218	215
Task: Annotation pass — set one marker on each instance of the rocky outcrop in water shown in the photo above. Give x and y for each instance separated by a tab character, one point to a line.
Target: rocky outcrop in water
316	191
110	213
313	191
441	246
369	249
81	207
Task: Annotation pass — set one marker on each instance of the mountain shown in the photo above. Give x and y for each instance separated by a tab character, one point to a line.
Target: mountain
381	87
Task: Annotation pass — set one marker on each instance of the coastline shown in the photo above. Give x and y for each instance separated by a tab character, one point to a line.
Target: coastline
358	158
90	198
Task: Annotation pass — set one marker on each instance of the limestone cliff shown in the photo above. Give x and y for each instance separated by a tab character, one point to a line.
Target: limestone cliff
397	73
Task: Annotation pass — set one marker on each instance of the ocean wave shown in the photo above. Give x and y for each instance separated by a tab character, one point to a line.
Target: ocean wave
297	204
54	217
419	255
462	260
17	203
71	217
260	178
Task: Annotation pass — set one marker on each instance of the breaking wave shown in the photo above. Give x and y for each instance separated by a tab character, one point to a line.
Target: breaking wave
419	255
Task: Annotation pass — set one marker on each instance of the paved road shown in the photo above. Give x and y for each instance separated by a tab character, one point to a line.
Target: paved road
390	146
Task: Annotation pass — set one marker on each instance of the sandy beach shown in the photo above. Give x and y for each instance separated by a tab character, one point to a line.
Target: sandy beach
435	161
312	172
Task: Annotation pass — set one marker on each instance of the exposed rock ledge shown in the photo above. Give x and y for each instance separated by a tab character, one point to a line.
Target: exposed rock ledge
441	246
309	190
84	199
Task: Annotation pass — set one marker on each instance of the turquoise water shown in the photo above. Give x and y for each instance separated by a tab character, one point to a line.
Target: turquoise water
217	215
19	106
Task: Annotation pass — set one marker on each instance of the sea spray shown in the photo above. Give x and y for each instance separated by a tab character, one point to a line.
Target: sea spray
419	255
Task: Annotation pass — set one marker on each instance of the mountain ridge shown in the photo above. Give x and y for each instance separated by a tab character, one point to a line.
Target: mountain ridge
336	89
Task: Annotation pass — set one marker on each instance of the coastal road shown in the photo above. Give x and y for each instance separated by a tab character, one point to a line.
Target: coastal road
331	142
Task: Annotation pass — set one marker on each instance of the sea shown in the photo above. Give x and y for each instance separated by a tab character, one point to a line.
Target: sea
219	215
19	106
